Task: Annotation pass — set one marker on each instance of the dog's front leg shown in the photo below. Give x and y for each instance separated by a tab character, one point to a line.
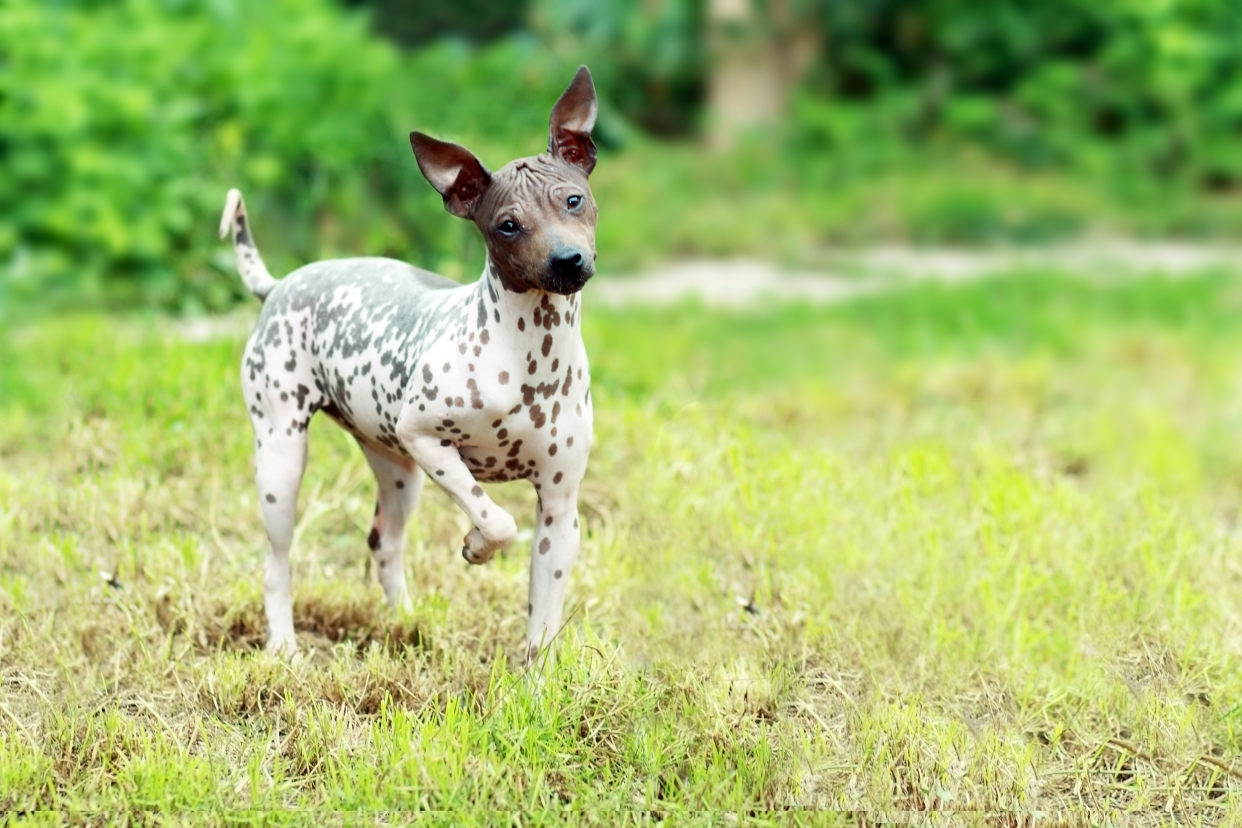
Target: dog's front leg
493	526
553	551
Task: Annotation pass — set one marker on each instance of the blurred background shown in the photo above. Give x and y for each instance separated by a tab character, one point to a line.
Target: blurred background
776	130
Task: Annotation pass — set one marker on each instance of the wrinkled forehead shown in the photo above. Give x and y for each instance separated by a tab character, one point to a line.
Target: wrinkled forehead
534	181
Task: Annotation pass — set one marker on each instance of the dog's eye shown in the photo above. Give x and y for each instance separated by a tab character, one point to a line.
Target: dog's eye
574	201
508	227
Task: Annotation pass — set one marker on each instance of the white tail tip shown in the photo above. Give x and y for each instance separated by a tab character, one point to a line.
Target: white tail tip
232	203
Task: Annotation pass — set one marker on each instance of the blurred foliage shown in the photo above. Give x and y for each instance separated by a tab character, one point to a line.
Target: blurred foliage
414	23
117	151
123	123
1124	87
649	58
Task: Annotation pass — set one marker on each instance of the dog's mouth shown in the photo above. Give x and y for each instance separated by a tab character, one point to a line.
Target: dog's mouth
565	284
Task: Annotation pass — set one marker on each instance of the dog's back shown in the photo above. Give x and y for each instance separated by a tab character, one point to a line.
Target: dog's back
344	335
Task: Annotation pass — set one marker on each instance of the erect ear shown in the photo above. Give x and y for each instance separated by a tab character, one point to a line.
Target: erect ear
573	118
453	171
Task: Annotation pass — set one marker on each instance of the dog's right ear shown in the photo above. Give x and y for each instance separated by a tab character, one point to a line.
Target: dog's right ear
573	118
453	171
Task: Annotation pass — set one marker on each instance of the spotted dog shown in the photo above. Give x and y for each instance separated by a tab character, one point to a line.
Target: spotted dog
484	382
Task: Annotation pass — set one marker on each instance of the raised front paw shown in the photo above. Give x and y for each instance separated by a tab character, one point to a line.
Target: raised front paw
481	546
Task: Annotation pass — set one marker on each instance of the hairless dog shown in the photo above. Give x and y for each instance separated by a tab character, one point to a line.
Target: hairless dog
483	382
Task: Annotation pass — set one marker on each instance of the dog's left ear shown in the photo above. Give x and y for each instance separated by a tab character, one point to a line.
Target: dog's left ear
573	118
454	171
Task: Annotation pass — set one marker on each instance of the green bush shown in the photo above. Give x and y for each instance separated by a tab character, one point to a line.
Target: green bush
122	125
1121	88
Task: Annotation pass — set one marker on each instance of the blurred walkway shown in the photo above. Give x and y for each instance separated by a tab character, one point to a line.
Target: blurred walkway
740	282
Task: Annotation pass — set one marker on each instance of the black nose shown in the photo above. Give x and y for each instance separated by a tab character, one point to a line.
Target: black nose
567	264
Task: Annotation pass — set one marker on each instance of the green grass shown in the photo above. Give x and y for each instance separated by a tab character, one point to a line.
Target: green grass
765	199
967	549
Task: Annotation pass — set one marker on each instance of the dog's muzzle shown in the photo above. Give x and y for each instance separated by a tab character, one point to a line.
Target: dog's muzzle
568	271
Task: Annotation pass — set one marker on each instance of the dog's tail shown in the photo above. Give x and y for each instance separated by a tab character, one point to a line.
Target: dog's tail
249	262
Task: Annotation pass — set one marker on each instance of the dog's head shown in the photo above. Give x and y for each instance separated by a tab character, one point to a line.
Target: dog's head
536	214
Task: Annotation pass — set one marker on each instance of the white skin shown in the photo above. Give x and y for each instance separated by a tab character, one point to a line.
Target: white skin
484	382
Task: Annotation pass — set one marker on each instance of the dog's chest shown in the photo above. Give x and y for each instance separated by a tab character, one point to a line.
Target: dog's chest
514	400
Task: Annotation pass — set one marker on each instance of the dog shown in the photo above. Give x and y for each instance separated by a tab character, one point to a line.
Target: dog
483	382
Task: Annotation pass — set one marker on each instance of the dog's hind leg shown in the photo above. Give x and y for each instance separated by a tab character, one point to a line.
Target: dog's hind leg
279	463
400	483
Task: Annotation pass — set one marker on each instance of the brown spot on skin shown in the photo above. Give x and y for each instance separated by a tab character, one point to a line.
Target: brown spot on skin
515	409
532	652
569	441
537	318
575	523
557	574
545	545
461	347
517	447
521	324
484	336
426	373
556	410
483	514
556	365
547	521
449	423
476	399
477	491
503	433
537	416
547	345
373	540
400	484
504	378
446	442
579	373
477	350
447	366
553	431
579	409
552	450
557	478
439	472
530	369
496	314
460	402
271	498
497	423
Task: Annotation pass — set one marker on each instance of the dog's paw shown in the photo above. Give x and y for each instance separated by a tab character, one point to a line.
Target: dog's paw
479	547
477	550
282	646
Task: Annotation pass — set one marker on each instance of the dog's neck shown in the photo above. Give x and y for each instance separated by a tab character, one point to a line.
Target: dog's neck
530	319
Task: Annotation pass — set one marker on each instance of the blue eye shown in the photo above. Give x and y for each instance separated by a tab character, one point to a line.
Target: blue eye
508	227
574	201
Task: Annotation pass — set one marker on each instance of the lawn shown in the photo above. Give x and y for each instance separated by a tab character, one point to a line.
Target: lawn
971	549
